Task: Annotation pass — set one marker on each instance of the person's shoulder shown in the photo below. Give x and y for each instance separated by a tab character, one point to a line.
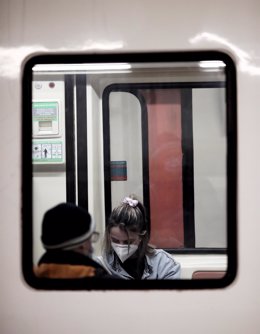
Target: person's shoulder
161	253
161	256
98	270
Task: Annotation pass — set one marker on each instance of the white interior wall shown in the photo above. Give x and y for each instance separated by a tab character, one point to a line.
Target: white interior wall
210	175
49	180
95	161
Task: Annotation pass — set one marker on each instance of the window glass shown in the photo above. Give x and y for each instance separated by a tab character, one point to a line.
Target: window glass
98	128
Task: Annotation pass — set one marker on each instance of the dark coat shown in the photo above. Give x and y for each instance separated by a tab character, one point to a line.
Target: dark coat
68	264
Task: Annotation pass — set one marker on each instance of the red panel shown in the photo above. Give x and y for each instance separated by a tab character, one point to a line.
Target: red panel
165	167
208	274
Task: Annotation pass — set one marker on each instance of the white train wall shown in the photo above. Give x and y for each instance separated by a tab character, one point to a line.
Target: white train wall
29	27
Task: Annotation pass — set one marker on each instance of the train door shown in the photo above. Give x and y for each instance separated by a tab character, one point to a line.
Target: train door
158	154
164	129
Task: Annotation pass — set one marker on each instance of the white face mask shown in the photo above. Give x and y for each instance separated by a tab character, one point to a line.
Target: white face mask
124	251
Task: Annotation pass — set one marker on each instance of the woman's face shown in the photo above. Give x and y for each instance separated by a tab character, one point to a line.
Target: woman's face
119	236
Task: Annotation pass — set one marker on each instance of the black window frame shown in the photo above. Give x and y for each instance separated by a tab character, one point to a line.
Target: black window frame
26	172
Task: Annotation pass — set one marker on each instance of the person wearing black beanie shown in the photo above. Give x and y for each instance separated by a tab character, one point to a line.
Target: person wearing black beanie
67	235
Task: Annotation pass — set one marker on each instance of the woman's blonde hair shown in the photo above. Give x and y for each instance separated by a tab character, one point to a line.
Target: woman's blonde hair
129	216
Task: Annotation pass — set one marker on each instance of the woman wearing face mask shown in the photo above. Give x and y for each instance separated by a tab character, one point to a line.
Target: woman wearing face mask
127	253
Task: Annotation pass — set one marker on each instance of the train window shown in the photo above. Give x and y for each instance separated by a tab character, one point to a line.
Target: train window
160	126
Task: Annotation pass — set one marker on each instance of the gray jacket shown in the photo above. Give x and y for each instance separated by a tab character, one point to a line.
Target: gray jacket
158	265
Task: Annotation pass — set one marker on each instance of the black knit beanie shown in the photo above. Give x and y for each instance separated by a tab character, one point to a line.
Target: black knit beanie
65	226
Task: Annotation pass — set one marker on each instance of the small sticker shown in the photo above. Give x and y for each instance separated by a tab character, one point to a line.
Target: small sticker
45	111
118	170
43	152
